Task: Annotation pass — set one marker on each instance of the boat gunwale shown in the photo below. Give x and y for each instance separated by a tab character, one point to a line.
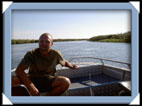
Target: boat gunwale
102	60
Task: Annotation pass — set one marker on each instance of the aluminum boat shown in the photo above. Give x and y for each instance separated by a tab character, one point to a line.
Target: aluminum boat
95	77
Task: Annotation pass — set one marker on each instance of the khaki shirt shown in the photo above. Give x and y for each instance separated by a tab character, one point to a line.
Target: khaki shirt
38	65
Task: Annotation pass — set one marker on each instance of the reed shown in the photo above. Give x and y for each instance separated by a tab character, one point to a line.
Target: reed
23	41
122	37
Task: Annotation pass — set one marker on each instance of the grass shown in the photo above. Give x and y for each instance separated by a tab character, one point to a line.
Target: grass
112	40
23	41
123	37
61	40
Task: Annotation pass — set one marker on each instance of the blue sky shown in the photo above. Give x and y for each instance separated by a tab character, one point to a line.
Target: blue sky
69	23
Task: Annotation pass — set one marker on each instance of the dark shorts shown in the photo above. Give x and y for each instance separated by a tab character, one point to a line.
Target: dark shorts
43	84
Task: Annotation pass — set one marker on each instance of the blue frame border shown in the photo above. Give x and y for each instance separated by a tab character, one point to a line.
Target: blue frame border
70	99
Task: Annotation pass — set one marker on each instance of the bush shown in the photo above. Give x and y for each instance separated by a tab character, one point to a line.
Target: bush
21	41
123	37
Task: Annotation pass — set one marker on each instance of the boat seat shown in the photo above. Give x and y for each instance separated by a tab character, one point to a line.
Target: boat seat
20	90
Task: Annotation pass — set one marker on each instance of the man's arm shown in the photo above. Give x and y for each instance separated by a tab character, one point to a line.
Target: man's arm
72	66
24	78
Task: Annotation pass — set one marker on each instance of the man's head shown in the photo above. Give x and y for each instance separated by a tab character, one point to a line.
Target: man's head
45	41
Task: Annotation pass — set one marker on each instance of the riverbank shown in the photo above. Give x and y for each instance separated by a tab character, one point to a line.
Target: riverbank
123	37
23	41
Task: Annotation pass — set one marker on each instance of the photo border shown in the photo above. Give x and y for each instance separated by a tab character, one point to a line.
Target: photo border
70	99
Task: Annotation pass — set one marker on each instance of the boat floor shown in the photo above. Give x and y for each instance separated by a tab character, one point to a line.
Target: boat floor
94	80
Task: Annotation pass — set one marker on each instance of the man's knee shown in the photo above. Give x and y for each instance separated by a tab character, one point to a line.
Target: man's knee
66	81
62	81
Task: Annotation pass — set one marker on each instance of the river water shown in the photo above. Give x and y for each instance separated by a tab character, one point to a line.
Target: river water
69	49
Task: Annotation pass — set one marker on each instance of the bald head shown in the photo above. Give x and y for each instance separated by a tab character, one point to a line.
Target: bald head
46	35
45	42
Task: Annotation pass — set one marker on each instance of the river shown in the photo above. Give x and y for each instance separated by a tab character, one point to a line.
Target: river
69	49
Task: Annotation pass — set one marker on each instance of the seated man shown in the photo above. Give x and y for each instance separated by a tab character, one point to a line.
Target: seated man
42	63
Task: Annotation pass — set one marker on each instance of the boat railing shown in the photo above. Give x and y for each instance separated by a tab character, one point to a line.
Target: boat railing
102	60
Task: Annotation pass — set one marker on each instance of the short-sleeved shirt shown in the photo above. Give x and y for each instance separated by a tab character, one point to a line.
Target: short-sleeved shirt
39	65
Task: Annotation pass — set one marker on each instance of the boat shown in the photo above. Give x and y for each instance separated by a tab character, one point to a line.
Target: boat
94	78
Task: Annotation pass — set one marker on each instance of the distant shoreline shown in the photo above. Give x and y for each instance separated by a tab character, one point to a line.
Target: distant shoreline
123	37
25	41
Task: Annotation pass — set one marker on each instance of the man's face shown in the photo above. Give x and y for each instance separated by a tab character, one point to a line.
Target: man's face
45	43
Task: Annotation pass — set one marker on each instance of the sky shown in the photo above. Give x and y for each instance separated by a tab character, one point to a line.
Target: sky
68	24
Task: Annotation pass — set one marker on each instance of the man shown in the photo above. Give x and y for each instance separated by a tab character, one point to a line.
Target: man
42	63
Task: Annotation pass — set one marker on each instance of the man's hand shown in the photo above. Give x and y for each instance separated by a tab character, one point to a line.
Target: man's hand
33	90
72	66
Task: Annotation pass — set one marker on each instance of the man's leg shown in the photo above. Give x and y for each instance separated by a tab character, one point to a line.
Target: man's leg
18	88
15	81
60	85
